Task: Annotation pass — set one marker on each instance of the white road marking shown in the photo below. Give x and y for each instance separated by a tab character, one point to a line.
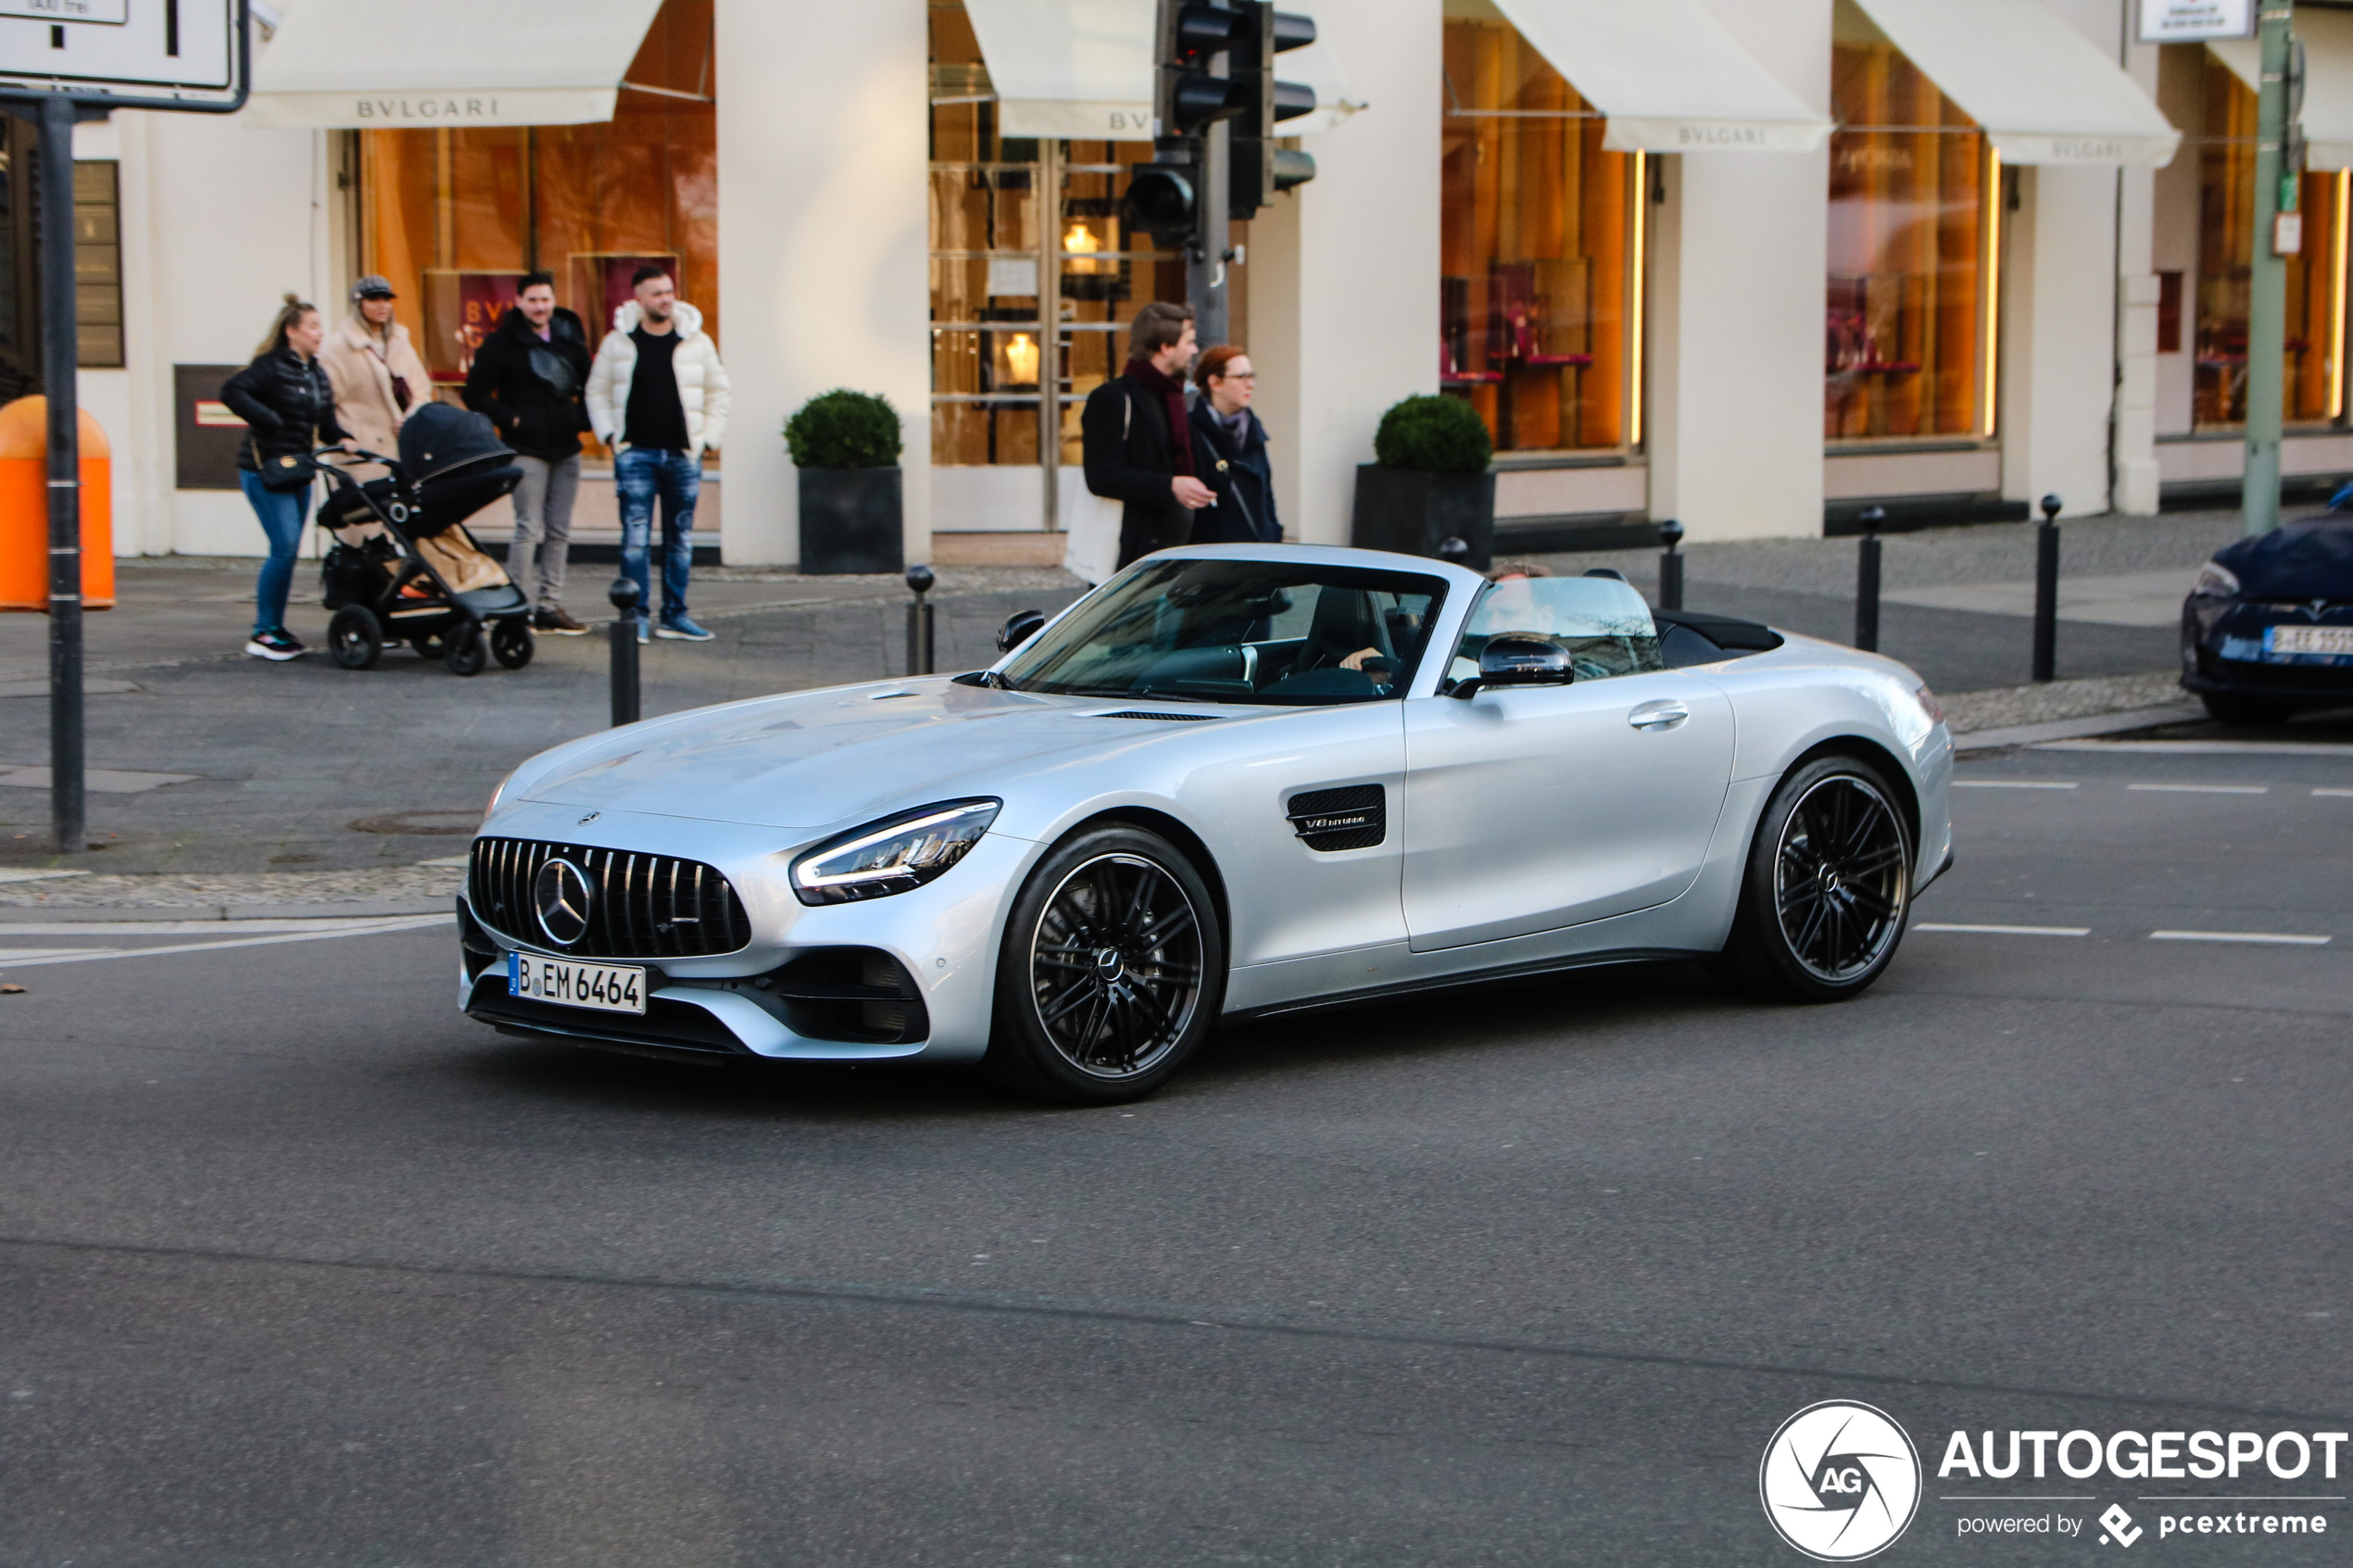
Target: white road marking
2202	789
2006	783
14	955
2341	794
415	922
2271	938
260	927
2206	747
2010	930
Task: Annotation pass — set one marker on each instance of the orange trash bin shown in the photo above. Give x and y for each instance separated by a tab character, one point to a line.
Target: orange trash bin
24	510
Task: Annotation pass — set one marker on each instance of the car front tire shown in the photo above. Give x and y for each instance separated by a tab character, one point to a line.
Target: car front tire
1828	888
1111	971
2247	712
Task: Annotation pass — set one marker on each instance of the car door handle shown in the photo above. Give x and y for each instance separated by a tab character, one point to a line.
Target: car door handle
1662	715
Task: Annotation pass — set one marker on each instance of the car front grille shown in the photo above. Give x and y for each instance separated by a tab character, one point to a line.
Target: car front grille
640	906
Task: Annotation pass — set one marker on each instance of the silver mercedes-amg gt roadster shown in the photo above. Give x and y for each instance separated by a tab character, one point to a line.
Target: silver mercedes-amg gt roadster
1232	781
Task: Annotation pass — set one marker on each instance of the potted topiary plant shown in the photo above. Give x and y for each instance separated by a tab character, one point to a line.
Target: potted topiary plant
845	444
1431	482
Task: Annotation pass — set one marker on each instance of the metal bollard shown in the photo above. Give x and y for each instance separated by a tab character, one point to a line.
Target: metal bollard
1670	565
623	595
919	624
1867	558
2046	568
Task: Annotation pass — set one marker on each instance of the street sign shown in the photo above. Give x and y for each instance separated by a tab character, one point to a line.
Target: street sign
126	53
2194	21
63	61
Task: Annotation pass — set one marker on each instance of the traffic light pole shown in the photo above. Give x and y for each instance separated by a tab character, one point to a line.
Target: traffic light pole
1205	264
2275	194
59	357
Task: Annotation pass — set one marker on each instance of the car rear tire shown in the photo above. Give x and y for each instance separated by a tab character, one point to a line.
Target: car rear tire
2247	712
1828	888
1111	971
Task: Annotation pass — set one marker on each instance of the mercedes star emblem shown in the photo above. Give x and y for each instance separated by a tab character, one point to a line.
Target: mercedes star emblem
589	818
561	893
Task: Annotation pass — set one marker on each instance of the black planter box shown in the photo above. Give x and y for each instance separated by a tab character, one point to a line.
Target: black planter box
851	521
1413	513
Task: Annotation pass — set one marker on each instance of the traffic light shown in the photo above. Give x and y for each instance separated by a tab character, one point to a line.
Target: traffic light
1260	169
1164	196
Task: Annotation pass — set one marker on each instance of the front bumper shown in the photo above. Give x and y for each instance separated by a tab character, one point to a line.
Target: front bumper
2223	651
908	976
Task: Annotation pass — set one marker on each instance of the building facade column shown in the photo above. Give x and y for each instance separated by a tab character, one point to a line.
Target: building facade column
2058	337
1734	350
823	164
1345	290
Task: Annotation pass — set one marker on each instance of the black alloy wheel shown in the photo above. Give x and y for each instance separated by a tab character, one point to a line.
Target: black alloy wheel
1110	973
511	643
355	637
1828	889
467	652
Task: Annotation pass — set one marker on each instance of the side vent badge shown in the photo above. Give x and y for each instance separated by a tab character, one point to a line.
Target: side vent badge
1330	820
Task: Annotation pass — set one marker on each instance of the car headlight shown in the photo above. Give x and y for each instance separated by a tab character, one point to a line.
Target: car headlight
497	795
2215	580
896	855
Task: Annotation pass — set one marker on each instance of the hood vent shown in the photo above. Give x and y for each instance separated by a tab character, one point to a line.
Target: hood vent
1330	820
1159	718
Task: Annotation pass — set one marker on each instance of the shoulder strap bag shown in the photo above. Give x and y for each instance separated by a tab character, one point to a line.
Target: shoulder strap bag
1090	523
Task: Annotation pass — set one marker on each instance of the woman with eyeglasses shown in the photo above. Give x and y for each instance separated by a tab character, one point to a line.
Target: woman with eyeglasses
1231	448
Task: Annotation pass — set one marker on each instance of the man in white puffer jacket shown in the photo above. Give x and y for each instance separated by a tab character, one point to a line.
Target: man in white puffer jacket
657	397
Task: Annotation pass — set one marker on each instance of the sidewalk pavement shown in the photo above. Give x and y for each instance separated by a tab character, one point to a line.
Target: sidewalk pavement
226	784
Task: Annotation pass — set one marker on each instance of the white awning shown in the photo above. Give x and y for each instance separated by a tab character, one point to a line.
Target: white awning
2044	92
1668	75
2328	83
365	65
1083	69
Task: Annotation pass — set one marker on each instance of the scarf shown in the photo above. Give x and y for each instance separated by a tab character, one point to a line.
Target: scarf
1172	392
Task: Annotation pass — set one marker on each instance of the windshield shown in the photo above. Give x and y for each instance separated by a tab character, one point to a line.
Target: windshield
1239	631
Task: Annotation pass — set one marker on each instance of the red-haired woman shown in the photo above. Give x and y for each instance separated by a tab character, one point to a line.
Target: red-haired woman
1229	447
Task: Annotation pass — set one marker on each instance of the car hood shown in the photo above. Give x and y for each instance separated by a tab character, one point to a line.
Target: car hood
813	759
2297	560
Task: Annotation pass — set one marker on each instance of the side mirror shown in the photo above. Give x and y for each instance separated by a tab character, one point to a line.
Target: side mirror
1517	658
1019	628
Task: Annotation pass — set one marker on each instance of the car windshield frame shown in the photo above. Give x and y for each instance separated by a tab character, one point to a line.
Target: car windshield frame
1071	657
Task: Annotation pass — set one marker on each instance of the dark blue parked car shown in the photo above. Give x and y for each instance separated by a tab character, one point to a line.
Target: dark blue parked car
2268	627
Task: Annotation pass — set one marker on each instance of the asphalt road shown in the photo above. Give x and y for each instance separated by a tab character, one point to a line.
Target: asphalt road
300	1267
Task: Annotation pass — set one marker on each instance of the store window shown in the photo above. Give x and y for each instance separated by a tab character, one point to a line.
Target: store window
1910	323
1006	388
2315	376
452	217
1539	246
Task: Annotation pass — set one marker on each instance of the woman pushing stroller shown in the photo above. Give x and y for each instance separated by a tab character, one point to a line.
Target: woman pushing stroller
289	404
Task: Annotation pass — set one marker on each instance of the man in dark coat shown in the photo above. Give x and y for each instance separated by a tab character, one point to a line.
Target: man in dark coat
528	377
1231	447
1138	443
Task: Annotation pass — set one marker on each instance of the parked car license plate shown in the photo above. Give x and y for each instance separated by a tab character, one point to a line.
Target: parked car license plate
605	986
2335	640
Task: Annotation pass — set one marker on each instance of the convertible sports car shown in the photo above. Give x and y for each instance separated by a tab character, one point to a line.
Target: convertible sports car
1232	781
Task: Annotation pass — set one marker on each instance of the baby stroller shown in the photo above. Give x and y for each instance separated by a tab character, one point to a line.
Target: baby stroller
403	567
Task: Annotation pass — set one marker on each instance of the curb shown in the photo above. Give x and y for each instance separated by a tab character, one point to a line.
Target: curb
50	914
2076	729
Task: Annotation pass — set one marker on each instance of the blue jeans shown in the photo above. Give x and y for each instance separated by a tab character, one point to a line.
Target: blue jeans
639	474
282	513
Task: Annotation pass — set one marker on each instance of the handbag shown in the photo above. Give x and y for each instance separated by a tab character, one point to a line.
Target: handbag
293	472
1090	523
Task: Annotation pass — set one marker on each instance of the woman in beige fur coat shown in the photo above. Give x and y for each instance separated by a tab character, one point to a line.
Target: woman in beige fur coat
378	378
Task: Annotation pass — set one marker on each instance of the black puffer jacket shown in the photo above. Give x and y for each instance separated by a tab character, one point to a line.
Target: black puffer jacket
289	403
533	389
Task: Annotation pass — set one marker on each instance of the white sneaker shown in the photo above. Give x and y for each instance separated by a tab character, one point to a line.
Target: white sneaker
276	646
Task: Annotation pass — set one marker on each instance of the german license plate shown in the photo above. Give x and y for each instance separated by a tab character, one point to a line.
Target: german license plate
2338	640
607	988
